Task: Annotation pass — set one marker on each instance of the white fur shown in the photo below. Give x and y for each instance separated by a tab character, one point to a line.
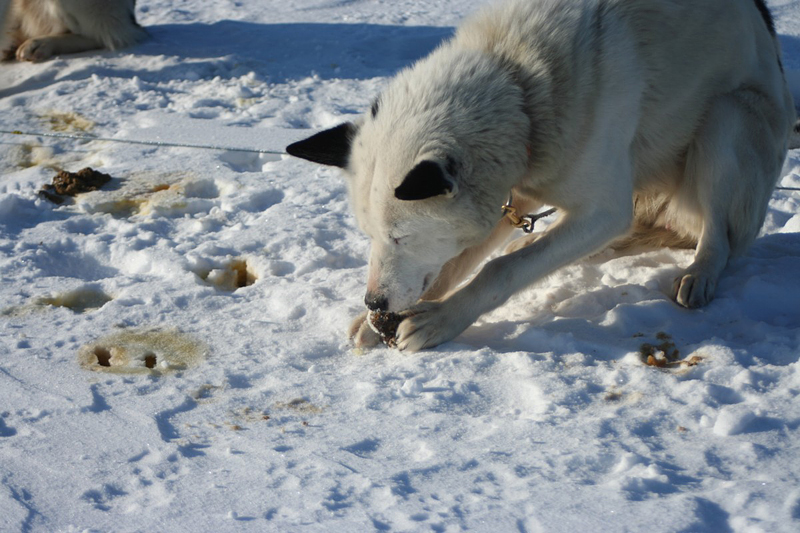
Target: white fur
661	116
35	30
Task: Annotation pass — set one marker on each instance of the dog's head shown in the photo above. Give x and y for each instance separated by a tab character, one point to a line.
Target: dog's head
428	168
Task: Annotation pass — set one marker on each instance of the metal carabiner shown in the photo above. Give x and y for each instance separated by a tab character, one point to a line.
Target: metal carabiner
524	222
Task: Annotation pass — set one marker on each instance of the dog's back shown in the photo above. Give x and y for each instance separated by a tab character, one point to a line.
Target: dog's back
574	43
595	48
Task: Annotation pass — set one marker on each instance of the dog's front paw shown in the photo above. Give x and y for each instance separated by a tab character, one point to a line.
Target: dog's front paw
35	50
693	289
430	324
362	334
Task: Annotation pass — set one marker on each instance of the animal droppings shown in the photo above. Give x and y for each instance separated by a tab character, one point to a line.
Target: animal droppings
73	183
662	354
142	352
665	355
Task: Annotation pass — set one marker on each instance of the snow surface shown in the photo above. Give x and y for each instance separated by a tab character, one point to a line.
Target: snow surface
258	414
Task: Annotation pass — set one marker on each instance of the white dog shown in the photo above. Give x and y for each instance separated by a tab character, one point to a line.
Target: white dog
657	120
35	30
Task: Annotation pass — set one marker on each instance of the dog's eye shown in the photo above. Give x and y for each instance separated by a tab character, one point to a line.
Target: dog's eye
397	240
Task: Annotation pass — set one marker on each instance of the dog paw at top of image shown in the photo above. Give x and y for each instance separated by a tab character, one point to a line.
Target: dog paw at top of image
36	30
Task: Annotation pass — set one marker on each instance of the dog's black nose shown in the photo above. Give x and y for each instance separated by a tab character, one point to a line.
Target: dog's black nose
376	302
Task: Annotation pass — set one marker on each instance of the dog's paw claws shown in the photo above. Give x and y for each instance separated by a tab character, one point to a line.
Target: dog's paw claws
693	290
362	335
427	325
35	50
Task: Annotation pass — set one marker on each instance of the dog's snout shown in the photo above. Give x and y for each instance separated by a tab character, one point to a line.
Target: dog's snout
376	301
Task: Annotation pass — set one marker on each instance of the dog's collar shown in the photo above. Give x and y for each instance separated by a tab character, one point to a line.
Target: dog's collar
524	222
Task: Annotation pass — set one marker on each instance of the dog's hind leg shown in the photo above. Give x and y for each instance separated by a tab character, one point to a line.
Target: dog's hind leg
697	285
731	170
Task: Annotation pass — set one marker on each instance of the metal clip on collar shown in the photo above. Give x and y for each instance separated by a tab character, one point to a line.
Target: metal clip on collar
524	222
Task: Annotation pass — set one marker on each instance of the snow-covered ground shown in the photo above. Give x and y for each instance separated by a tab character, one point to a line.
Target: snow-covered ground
258	414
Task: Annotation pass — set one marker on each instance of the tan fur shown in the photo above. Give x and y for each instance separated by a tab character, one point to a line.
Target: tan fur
35	30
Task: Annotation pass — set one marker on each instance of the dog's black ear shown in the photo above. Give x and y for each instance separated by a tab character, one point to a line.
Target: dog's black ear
425	180
330	147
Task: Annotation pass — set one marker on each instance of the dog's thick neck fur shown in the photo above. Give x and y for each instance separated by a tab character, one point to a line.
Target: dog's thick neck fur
500	77
413	121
